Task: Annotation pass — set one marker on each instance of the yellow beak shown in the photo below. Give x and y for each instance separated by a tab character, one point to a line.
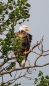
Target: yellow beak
27	29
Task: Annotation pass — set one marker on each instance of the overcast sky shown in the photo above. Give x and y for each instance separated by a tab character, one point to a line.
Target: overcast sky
39	26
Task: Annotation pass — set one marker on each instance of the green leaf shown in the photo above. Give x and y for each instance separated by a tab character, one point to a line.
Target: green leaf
0	39
27	4
17	84
10	7
0	11
11	15
8	83
36	80
47	77
9	1
40	73
8	68
5	60
23	1
20	58
6	12
42	78
13	64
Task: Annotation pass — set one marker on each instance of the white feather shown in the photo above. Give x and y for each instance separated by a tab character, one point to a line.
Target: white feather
22	28
23	63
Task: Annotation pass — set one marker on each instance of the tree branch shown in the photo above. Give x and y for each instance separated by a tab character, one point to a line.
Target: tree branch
27	67
12	57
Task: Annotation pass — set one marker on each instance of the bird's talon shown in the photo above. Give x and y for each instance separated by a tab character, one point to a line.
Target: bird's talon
25	52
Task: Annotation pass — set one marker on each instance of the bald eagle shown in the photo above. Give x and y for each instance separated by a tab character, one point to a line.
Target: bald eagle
25	38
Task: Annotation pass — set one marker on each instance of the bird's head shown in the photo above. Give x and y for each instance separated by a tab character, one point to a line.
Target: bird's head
24	28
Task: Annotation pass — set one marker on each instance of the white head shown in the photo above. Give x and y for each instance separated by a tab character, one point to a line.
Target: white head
24	28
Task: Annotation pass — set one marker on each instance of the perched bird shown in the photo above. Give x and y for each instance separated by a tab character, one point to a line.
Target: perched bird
25	38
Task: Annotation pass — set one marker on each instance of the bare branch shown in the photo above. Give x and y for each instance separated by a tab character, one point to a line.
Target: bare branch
13	57
41	54
37	58
14	69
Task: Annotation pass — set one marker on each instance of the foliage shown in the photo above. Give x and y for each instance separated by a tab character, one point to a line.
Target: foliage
11	13
16	48
42	80
20	58
17	44
17	84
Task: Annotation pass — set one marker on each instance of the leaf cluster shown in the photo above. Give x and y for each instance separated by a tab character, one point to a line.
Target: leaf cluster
17	47
13	12
12	64
6	44
42	80
17	44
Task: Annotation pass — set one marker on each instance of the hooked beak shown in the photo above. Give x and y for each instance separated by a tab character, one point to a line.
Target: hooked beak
27	29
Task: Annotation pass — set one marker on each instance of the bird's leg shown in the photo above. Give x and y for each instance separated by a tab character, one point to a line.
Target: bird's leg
28	62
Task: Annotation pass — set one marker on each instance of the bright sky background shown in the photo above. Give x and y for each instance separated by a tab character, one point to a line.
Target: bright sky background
39	26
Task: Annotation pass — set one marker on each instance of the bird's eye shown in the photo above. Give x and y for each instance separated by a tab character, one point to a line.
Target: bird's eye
26	27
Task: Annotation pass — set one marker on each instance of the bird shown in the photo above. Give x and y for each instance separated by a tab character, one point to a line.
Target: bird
26	39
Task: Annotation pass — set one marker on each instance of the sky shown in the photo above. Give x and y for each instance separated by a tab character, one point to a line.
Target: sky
39	26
